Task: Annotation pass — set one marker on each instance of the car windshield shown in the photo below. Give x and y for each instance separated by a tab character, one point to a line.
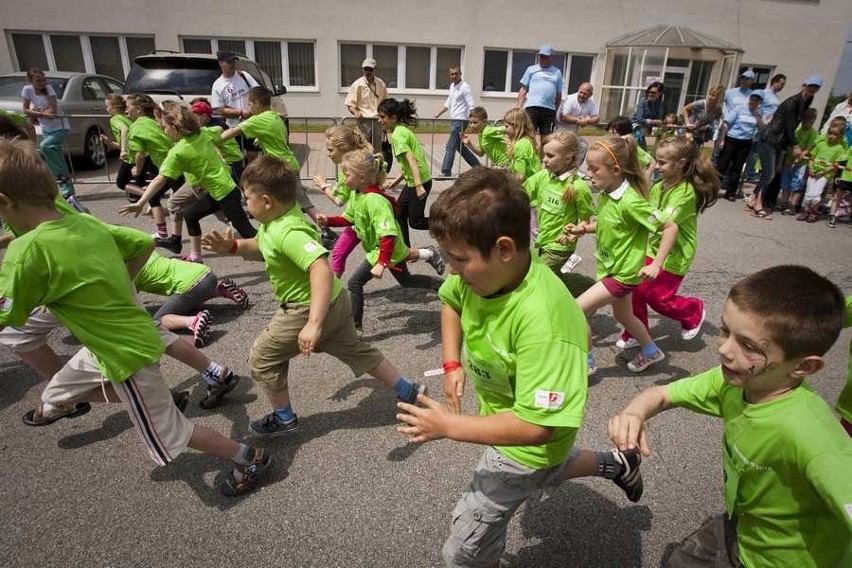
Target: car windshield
12	86
172	75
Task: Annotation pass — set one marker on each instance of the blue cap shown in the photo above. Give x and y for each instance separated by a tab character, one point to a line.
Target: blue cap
814	80
546	50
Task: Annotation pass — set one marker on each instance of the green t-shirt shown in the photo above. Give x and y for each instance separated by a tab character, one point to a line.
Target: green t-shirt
371	215
805	139
229	149
116	123
525	352
147	136
643	156
167	276
625	219
787	465
846	174
403	141
16	117
493	145
90	294
271	134
524	159
554	211
342	191
844	402
197	158
825	157
290	245
678	205
61	205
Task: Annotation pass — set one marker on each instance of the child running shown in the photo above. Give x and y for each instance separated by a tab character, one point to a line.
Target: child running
625	218
490	139
91	295
689	185
521	147
371	213
119	125
508	325
228	149
314	315
786	460
623	126
339	141
398	118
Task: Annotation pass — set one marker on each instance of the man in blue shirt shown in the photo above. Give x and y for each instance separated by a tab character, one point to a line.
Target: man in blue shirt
768	156
736	134
541	92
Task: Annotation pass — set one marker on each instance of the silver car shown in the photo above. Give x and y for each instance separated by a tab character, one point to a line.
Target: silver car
76	94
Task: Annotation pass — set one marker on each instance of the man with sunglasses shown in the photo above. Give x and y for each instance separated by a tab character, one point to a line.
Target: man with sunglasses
363	100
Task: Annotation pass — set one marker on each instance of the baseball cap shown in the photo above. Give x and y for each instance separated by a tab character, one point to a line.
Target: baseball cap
369	62
226	56
748	74
546	50
200	107
814	80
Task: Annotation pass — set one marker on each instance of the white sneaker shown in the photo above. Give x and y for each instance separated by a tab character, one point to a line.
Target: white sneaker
629	344
687	334
571	263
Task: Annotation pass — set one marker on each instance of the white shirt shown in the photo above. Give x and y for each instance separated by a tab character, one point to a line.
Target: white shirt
573	107
460	101
843	109
42	103
231	92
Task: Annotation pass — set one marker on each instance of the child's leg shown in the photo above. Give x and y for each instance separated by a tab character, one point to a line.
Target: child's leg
344	246
622	309
430	255
621	467
234	212
197	211
417	212
29	342
404	205
640	303
408	280
355	285
663	299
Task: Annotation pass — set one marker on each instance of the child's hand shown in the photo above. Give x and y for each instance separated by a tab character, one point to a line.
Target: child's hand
217	242
627	431
322	220
104	138
309	337
134	208
134	172
650	271
423	423
319	181
378	271
465	138
454	390
123	156
421	193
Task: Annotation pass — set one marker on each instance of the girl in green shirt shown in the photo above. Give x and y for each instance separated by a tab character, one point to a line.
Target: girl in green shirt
119	125
521	148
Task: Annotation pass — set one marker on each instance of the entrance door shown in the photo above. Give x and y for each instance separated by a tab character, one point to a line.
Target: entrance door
675	83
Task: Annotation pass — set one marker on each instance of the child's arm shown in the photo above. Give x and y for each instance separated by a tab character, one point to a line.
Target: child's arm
333	221
153	187
396	181
321	284
134	265
467	140
124	135
627	428
139	164
451	341
230	133
667	242
415	173
227	244
322	185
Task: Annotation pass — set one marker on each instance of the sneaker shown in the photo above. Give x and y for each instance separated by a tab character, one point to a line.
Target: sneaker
625	344
571	263
189	258
215	393
687	334
200	328
75	203
181	399
228	289
591	365
640	362
416	389
812	218
630	478
38	417
832	221
172	244
270	426
437	261
250	474
328	238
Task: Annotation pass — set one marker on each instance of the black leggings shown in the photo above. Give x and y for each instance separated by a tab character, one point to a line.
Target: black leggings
412	211
229	205
172	184
362	275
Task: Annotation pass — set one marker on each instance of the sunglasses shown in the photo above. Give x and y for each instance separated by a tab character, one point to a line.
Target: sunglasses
368	69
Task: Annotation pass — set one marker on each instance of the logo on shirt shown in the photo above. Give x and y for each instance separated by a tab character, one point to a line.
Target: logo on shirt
5	304
655	217
311	246
551	400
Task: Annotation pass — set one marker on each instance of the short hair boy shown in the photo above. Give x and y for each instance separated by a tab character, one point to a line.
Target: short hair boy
91	295
788	492
314	315
503	311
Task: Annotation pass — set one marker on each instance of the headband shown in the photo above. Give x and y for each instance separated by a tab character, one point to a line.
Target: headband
607	147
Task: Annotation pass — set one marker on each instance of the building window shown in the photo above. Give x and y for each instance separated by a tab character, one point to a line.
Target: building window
290	63
403	67
762	74
109	55
504	69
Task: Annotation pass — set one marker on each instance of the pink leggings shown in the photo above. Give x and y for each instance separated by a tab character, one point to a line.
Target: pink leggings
661	294
344	246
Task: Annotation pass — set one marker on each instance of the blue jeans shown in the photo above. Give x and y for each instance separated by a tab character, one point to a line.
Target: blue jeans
767	154
51	149
454	145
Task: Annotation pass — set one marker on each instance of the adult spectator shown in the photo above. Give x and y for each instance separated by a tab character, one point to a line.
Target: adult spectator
541	92
363	100
230	90
701	116
459	102
577	110
844	109
759	149
737	96
781	132
649	112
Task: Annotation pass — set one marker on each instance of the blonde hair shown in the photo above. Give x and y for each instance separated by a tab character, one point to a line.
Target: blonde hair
697	170
24	176
365	162
520	121
117	102
570	145
346	138
621	152
181	119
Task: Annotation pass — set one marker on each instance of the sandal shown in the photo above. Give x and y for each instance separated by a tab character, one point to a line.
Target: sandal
762	214
37	416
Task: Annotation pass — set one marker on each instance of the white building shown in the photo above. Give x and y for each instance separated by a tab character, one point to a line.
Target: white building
315	48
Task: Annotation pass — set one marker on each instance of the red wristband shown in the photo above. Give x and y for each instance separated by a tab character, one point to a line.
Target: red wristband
234	247
450	366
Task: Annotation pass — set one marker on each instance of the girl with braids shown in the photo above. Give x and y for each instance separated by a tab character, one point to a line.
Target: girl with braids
688	186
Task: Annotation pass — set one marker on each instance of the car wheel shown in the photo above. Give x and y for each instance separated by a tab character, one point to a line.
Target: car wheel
94	156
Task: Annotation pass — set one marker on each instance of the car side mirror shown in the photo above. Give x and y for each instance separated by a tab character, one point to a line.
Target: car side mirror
279	90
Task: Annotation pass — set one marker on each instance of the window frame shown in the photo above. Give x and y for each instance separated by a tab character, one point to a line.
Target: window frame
510	52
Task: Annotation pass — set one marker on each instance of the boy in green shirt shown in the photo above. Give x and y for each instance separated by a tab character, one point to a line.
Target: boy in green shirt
793	171
786	460
92	296
508	325
491	141
314	315
844	401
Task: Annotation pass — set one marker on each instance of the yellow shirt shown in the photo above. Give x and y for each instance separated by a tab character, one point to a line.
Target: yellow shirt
365	97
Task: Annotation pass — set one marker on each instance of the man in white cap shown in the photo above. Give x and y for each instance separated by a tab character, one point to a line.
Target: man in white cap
739	95
363	100
541	92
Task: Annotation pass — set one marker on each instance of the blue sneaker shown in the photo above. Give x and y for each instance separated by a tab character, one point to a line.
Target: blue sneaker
270	426
416	389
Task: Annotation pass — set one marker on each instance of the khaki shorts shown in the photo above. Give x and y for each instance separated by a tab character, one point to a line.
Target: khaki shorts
500	485
182	199
33	334
279	342
163	429
713	545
